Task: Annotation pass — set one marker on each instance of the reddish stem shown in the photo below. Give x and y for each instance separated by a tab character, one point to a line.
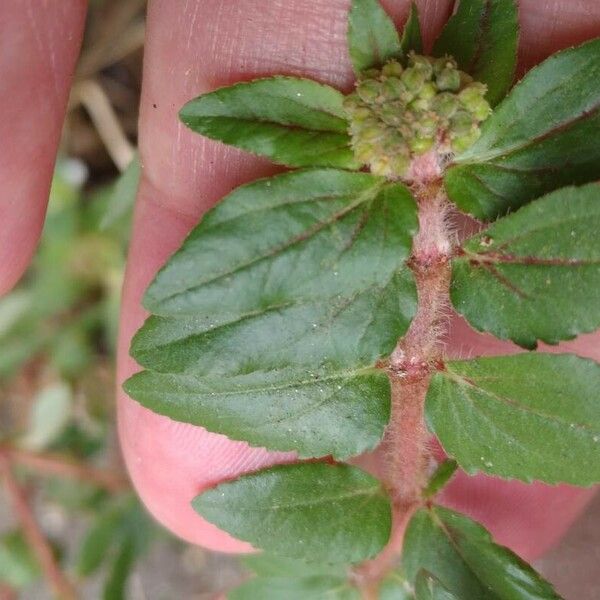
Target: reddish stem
58	581
417	354
49	464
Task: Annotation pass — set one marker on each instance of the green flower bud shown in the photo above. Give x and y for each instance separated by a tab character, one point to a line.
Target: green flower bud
428	125
445	62
390	114
413	80
361	114
419	104
364	152
368	90
428	91
482	110
420	145
380	165
371	134
461	143
393	88
448	79
397	114
445	104
392	69
421	64
472	93
461	123
399	164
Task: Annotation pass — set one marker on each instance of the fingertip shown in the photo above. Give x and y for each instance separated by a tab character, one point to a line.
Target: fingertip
39	51
171	463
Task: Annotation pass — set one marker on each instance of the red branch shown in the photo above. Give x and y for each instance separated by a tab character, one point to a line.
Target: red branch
417	355
61	586
49	464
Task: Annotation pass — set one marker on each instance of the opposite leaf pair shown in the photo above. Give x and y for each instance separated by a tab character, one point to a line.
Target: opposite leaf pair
276	321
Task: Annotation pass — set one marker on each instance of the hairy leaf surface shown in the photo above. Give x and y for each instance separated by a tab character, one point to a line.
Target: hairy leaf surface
372	36
341	414
312	511
541	137
482	36
276	308
535	274
527	416
295	122
462	556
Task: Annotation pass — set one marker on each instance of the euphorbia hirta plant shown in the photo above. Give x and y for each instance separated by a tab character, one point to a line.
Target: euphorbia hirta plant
307	311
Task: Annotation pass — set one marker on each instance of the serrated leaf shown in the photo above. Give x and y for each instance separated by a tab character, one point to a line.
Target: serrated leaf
281	588
295	122
287	269
311	511
411	40
462	556
372	36
341	414
482	35
525	416
288	290
535	274
428	587
541	137
440	477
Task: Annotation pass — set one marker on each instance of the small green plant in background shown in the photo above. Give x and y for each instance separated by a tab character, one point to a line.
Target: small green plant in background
306	312
57	451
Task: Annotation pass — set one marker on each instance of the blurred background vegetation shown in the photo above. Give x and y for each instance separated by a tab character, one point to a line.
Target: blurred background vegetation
70	525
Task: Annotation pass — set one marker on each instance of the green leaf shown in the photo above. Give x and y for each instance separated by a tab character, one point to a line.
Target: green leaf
281	588
98	541
305	268
396	587
341	414
462	556
18	566
540	138
272	565
279	303
428	587
440	478
122	198
116	584
411	40
535	274
311	511
372	36
51	411
295	122
526	416
482	35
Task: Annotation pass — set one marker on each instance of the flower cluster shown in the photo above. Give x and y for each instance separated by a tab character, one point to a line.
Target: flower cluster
398	113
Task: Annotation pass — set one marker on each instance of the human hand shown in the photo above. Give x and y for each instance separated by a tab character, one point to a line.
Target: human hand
192	49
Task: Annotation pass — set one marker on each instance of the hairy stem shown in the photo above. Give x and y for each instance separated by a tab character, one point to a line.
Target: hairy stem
417	354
